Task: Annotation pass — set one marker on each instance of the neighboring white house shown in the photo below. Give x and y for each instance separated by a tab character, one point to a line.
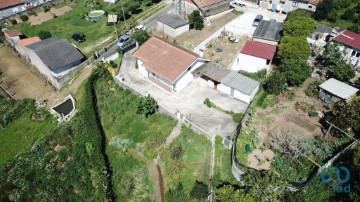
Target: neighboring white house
12	36
254	57
268	32
172	25
321	36
285	6
334	90
11	7
166	64
55	58
350	43
20	45
229	82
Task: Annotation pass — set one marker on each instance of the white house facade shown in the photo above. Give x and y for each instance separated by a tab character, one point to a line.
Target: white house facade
172	25
350	44
9	8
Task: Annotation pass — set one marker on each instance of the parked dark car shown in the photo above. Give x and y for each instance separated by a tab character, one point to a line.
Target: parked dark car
78	37
257	20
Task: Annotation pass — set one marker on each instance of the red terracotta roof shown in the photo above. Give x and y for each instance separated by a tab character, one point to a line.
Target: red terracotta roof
349	38
205	3
13	32
28	41
260	50
165	59
8	3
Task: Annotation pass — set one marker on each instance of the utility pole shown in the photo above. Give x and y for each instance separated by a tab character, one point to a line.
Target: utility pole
122	7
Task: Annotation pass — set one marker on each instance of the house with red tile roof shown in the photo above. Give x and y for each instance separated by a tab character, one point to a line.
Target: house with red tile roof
167	65
21	45
254	57
12	7
350	42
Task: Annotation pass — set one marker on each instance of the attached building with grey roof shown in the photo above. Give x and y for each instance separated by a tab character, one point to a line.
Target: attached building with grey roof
55	57
240	83
268	32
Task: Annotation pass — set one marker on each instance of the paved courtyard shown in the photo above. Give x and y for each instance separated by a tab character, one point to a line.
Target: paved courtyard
188	101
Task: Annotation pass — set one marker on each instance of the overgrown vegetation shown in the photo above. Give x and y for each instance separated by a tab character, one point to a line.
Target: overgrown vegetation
18	131
69	160
246	142
190	168
141	36
133	139
196	20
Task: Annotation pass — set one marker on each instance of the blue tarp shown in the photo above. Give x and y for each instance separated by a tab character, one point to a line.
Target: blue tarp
273	7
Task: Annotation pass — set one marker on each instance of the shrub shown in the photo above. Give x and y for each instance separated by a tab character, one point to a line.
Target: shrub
44	35
13	21
200	191
147	106
196	20
141	36
31	12
24	18
312	89
46	8
177	152
208	103
291	95
237	117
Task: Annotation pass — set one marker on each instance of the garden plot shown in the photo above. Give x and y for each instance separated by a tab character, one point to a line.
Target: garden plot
224	51
45	16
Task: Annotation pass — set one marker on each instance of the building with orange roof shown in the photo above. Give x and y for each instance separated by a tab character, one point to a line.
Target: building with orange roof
20	45
12	7
12	35
167	65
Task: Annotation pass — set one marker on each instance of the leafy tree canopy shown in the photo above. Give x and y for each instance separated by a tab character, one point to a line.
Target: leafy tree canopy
295	48
196	20
147	106
200	191
275	83
299	24
331	55
44	35
296	72
141	36
343	72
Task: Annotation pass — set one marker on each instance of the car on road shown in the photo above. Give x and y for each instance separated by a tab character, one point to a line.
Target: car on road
78	37
257	20
140	27
124	41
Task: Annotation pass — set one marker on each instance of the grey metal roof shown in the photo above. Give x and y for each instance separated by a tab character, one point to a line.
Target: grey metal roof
172	20
268	30
339	88
323	29
211	70
240	82
56	52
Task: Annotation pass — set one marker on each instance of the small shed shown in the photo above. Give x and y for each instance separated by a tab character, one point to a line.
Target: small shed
12	35
112	19
268	32
172	25
239	86
337	90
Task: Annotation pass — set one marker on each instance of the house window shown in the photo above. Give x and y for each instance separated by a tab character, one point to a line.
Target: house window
310	6
282	1
295	4
153	74
189	68
357	54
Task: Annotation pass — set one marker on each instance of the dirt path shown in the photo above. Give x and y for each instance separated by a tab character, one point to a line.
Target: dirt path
155	174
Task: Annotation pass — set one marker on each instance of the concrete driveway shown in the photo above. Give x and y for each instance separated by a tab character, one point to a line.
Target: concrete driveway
188	101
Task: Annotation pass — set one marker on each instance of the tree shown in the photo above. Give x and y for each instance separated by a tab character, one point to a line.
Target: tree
141	36
331	55
296	72
324	10
228	193
44	35
200	191
294	48
196	20
299	24
349	14
345	115
147	106
343	72
134	6
275	83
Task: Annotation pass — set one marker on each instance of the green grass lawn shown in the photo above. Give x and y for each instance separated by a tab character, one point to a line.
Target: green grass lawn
143	136
21	134
222	172
72	22
193	165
